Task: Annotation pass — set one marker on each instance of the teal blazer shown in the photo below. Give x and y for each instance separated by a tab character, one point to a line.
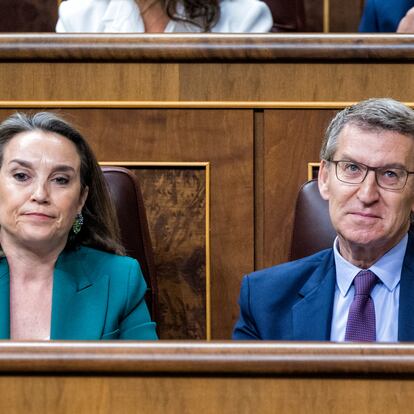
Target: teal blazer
96	295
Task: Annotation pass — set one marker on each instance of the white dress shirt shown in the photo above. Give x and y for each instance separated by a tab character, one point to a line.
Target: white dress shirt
123	16
385	294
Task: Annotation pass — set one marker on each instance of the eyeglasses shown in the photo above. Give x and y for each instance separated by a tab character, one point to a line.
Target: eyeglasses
389	178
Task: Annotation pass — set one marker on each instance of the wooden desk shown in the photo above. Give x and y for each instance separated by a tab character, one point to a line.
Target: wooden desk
224	377
248	110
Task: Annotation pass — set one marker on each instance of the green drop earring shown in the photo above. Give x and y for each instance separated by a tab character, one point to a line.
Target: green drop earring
77	225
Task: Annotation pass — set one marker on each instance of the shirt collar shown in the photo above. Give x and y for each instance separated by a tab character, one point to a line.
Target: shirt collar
388	268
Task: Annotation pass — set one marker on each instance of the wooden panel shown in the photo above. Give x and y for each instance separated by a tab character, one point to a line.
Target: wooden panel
207	82
39	81
223	138
314	15
292	138
175	202
345	15
296	82
204	395
28	15
206	378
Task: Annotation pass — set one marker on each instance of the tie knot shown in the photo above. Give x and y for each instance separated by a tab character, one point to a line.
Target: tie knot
364	282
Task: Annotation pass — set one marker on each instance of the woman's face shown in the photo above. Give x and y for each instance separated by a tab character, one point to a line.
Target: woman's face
40	190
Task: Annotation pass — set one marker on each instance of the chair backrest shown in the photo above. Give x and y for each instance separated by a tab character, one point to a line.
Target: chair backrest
28	15
127	198
288	15
312	229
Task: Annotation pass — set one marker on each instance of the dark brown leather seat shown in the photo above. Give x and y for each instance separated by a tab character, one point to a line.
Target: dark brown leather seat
28	15
288	15
127	198
312	229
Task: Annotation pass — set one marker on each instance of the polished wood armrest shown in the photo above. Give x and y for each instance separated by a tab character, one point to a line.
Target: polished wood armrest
196	357
205	377
206	47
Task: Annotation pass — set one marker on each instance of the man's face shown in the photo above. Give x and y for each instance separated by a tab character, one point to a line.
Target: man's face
365	215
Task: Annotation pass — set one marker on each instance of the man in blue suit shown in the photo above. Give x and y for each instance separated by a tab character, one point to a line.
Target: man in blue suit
366	174
388	16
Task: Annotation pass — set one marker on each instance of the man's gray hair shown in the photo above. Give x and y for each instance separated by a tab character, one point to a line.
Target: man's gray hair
376	114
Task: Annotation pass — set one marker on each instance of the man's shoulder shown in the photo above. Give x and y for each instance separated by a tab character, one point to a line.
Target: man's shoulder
293	270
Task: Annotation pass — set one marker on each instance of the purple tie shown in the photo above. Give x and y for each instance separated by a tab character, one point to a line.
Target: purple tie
361	317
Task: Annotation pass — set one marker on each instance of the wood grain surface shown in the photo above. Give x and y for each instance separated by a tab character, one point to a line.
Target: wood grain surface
201	377
188	394
314	15
191	48
345	16
175	202
292	139
201	358
238	82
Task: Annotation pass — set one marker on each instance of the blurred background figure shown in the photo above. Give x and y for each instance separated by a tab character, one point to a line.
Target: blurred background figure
248	15
158	16
388	16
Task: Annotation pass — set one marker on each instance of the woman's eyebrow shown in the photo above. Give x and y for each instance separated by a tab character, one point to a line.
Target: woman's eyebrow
23	163
63	167
28	164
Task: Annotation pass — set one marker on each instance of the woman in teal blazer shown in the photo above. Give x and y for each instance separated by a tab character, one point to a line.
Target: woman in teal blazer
63	274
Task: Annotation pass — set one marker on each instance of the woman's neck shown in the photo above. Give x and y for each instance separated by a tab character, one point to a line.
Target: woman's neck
27	263
153	15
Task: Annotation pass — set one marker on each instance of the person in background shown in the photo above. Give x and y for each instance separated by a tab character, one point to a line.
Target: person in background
361	289
388	16
158	16
63	273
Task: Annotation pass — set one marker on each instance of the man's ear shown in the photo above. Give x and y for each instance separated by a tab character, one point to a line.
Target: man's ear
323	179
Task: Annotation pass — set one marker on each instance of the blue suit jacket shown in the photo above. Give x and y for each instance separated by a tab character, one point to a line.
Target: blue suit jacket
96	295
294	301
383	15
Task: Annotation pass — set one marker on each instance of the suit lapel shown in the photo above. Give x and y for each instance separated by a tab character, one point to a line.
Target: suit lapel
406	308
312	315
78	305
4	300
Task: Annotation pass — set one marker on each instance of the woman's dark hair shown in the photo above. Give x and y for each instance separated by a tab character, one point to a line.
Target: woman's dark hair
100	228
202	13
